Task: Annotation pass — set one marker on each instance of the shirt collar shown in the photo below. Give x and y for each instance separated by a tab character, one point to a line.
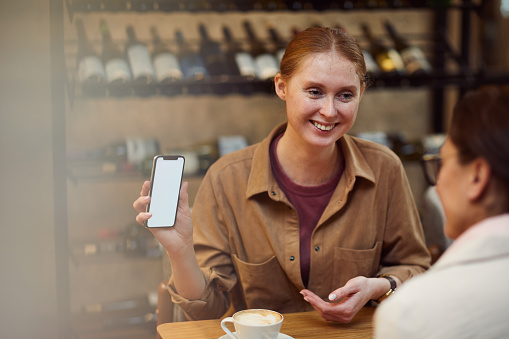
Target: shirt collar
261	178
482	241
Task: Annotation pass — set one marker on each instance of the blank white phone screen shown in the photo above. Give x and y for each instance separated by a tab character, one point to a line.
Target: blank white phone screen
166	180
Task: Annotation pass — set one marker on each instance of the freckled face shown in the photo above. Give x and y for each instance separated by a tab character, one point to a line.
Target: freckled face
322	99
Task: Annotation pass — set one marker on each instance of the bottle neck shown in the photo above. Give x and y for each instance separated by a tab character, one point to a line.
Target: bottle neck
398	40
368	34
131	36
106	35
250	33
156	39
179	37
227	35
203	33
278	42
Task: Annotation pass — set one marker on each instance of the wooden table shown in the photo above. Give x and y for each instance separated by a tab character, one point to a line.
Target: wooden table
296	325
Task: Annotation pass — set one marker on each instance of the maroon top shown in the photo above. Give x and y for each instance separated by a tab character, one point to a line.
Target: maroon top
309	202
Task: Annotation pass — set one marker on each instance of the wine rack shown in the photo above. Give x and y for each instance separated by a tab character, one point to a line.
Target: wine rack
440	51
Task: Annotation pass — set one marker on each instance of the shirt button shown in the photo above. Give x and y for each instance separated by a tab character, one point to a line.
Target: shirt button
292	258
317	248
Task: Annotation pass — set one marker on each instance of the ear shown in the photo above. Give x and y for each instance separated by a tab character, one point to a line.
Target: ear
280	86
479	179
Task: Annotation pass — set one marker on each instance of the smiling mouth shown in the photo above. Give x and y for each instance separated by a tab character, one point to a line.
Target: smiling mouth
322	127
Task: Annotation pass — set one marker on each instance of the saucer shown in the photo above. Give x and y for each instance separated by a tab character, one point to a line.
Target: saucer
280	336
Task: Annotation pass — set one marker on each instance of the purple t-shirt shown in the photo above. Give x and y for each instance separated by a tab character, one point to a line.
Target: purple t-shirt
309	202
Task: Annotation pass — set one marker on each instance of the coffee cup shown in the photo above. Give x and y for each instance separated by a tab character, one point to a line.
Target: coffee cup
254	324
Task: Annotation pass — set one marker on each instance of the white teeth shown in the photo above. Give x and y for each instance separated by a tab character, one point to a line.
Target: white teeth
322	127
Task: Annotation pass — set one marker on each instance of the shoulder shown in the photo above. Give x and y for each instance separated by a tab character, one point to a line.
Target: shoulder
370	157
234	161
372	149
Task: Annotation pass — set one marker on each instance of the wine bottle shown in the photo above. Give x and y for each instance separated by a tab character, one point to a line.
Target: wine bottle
91	74
141	64
413	57
191	64
118	73
215	62
241	63
266	62
279	44
232	48
238	56
166	66
212	54
387	58
371	65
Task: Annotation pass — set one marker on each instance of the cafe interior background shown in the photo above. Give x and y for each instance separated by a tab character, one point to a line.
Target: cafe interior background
74	263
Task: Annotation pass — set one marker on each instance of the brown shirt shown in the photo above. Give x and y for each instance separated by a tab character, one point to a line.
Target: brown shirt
246	232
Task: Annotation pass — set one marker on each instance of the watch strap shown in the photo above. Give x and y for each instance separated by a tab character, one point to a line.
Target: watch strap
391	280
391	290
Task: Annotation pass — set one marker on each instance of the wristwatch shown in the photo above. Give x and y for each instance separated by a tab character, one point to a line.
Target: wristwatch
391	290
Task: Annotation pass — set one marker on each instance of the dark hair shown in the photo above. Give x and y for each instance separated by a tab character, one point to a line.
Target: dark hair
321	40
480	128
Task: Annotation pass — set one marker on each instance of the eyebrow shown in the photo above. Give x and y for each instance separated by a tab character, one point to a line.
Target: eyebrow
312	83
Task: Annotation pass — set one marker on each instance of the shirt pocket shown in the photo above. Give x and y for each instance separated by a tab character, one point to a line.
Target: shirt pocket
265	285
349	263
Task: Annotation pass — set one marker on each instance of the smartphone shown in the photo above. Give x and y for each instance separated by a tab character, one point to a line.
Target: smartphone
165	182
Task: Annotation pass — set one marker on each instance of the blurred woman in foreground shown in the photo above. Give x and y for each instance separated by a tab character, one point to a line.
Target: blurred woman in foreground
465	294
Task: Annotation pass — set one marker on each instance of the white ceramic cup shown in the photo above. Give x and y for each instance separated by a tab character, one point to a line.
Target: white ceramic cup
254	324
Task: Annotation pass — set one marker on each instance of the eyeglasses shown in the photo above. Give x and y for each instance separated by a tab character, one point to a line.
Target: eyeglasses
431	166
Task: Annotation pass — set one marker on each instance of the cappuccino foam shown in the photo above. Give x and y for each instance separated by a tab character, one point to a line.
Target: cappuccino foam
257	317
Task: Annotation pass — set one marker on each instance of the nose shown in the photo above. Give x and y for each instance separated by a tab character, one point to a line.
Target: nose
328	108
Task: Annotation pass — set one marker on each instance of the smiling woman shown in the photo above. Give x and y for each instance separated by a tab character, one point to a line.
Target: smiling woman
282	224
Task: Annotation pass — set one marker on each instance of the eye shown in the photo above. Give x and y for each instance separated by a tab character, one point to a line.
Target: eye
314	92
346	96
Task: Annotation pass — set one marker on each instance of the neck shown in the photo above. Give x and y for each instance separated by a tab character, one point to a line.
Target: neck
308	166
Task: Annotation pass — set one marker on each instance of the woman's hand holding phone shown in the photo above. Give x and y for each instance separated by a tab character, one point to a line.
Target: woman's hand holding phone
174	239
178	242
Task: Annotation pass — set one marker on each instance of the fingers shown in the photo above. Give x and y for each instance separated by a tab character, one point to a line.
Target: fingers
353	286
142	217
309	296
145	188
184	196
141	203
339	294
343	311
314	300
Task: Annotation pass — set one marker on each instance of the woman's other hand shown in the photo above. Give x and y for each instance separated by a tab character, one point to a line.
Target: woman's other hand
345	302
